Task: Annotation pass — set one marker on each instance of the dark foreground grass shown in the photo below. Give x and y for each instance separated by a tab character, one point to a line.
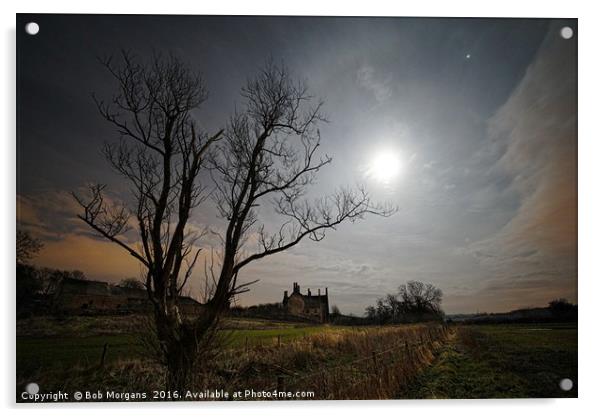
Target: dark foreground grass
503	361
65	351
34	353
372	362
493	361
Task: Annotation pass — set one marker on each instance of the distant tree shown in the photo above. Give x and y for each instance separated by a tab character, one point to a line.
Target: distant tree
383	310
133	283
417	296
28	285
560	305
75	274
50	279
371	313
414	301
27	246
28	281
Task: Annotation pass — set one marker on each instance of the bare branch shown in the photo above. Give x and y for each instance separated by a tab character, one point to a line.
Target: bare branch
270	157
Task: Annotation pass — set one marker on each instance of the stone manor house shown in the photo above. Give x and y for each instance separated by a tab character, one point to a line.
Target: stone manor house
307	306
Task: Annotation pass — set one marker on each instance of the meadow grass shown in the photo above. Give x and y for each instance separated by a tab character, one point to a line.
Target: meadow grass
332	362
503	361
48	343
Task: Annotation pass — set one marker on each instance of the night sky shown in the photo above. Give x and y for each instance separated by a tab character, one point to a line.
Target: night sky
474	119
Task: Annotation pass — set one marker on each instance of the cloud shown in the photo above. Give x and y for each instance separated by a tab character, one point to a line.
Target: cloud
68	243
98	259
535	252
378	86
48	215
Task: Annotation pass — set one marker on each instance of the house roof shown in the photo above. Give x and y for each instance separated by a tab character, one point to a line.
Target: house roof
311	300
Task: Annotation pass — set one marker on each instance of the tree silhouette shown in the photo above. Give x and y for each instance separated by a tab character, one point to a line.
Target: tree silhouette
27	247
28	282
267	155
414	301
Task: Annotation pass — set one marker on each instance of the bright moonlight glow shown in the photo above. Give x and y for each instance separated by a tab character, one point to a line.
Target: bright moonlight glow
385	166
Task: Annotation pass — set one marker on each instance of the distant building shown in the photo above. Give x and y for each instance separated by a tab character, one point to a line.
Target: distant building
312	307
77	296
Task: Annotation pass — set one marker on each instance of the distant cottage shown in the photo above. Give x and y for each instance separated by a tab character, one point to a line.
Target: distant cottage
77	296
312	307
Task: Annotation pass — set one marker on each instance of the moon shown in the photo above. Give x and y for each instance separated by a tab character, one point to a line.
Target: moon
385	166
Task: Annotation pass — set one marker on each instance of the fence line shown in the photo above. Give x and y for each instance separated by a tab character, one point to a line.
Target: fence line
404	344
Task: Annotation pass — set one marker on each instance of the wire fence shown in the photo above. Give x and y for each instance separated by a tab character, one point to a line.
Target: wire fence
377	375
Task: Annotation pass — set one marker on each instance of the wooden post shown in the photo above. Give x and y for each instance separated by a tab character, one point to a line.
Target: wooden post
246	343
278	340
104	355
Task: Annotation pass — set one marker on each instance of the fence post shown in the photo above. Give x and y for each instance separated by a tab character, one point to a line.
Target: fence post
374	360
246	343
278	340
104	355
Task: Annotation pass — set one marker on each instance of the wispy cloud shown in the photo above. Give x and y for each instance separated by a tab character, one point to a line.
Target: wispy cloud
381	87
536	250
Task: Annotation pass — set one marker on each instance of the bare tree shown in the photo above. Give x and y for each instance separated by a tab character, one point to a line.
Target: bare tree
27	246
28	281
160	154
267	156
417	296
414	301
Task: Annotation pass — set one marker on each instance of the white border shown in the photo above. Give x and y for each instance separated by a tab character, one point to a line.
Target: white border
590	202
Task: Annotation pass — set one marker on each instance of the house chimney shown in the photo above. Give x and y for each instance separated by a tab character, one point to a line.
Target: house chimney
327	291
285	294
308	292
319	290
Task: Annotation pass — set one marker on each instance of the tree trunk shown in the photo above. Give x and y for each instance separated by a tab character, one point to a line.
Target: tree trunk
178	354
182	343
179	368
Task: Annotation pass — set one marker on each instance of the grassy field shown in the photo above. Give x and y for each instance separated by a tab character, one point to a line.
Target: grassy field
405	361
79	341
503	361
332	362
34	353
